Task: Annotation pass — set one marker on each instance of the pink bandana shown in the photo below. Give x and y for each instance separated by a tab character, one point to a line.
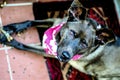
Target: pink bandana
49	42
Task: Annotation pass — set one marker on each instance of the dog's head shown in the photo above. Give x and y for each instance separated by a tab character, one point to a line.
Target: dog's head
80	34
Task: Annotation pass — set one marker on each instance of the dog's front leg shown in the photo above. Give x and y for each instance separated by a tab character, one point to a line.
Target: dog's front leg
78	64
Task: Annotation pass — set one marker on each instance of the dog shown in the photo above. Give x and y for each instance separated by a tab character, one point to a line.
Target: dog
98	46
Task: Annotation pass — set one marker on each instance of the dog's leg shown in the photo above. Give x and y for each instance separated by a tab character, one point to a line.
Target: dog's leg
79	65
18	27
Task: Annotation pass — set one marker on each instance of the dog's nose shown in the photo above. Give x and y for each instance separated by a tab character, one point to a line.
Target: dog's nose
65	55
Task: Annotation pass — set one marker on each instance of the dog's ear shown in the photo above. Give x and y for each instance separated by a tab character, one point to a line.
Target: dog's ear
76	11
104	36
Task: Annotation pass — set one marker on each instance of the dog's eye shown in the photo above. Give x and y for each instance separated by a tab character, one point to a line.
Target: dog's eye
72	32
83	40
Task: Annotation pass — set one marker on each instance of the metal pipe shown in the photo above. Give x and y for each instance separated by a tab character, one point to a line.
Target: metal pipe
4	4
19	4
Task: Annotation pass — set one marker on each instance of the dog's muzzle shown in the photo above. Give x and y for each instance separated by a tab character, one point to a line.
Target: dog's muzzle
65	56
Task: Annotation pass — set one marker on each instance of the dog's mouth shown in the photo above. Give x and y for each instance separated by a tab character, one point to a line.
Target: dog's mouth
66	55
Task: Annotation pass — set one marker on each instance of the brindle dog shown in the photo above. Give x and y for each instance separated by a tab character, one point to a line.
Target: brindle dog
97	45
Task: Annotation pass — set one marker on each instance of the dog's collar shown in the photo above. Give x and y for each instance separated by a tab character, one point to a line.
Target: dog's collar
49	42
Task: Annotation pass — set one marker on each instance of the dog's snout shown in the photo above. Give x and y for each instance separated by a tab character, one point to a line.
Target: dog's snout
65	56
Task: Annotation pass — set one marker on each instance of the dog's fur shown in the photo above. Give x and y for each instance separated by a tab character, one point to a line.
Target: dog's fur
98	46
